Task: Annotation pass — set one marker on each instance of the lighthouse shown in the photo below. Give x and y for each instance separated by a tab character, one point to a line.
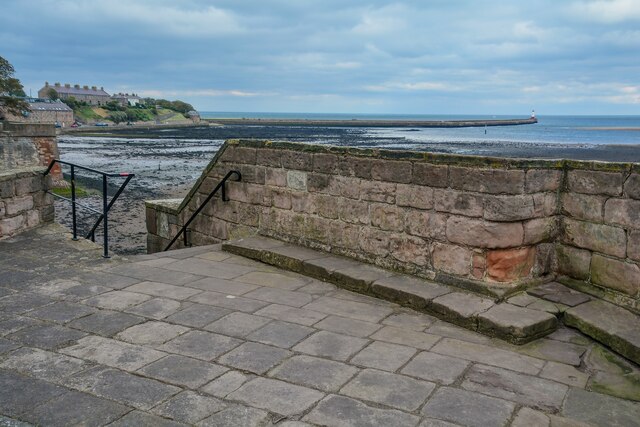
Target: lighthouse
533	114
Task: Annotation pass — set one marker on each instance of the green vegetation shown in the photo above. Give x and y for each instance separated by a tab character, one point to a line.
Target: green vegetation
148	110
86	113
66	192
10	90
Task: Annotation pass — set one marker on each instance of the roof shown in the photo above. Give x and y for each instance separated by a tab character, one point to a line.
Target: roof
49	106
76	91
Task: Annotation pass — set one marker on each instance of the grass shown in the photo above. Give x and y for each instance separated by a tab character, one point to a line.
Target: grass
66	192
86	113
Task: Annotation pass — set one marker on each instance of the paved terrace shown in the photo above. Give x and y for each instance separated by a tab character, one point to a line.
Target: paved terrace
200	336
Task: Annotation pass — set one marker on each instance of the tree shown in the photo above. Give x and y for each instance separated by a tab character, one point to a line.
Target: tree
52	94
10	90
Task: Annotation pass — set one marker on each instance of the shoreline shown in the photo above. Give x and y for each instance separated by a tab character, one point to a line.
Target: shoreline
374	123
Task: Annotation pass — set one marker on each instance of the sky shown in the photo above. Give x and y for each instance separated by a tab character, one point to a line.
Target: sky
559	57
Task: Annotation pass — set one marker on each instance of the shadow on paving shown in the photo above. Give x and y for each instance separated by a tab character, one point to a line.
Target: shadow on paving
203	337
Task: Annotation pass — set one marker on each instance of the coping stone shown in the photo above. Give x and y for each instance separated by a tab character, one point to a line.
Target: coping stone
406	290
516	324
251	247
609	324
461	308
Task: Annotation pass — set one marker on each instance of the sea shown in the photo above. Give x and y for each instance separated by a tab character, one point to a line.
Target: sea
164	158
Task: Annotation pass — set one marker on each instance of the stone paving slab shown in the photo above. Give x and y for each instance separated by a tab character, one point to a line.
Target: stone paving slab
395	366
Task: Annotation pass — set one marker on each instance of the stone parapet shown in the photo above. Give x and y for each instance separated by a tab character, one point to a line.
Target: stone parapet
24	204
490	225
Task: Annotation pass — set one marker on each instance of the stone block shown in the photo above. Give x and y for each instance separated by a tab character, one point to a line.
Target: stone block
595	182
252	173
359	278
633	245
352	211
336	410
435	367
609	324
383	356
275	177
244	155
458	202
409	249
325	163
387	217
150	219
631	186
267	157
330	345
391	171
182	371
431	225
484	234
326	375
189	407
509	208
10	226
430	175
355	166
542	180
325	205
625	212
297	180
32	218
596	237
615	274
469	409
599	409
492	181
7	189
255	357
297	160
414	196
346	187
408	290
478	265
540	230
510	264
24	186
516	324
451	259
406	337
18	205
377	191
583	206
460	308
574	262
372	241
2	209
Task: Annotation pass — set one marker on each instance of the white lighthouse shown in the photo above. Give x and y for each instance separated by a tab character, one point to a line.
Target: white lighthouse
533	114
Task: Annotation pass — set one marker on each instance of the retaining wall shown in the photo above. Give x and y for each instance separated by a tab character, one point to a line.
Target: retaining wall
28	144
486	224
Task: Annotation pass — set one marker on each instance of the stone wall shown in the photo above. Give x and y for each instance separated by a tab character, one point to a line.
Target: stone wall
599	247
27	145
24	204
486	224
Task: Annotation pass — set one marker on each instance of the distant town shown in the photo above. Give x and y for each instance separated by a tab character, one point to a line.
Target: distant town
67	105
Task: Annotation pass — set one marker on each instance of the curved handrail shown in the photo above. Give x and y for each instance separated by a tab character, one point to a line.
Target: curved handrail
221	185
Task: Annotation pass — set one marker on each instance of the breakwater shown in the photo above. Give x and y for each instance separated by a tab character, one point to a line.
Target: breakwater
375	123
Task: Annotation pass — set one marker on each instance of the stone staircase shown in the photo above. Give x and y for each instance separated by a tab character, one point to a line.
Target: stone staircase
520	319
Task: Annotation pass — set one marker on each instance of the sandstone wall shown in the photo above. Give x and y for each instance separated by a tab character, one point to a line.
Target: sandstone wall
27	145
599	247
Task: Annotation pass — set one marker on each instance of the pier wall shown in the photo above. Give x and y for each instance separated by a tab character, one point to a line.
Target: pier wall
486	224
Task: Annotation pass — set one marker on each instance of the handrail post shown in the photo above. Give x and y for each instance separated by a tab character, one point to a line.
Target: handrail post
73	202
104	216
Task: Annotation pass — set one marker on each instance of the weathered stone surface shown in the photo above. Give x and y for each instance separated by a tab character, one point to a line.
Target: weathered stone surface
531	391
386	217
326	375
409	249
62	312
593	182
163	290
489	355
198	315
430	175
20	394
105	322
558	351
47	336
509	208
254	357
201	345
151	333
623	386
281	334
492	181
515	324
383	356
338	411
429	224
598	409
632	186
182	371
540	230
236	415
458	202
615	274
583	206
156	308
510	264
633	245
377	191
117	300
343	325
276	396
189	407
410	320
349	309
291	314
451	259
42	364
482	234
596	237
565	374
460	307
141	393
331	345
389	389
391	171
574	262
226	383
434	367
406	337
609	324
414	196
237	324
623	212
469	409
538	180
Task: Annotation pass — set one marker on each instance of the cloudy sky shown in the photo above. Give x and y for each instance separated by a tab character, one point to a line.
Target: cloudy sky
347	56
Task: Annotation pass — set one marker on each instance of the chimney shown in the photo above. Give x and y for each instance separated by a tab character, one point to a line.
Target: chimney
57	84
101	88
46	84
85	87
67	85
94	88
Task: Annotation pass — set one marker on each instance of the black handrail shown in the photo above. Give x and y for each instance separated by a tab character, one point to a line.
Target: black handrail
221	185
105	206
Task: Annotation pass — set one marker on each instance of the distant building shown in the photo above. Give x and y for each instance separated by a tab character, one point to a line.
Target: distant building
91	95
45	111
126	100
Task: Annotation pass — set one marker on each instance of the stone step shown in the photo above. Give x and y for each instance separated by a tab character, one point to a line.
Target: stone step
611	325
509	322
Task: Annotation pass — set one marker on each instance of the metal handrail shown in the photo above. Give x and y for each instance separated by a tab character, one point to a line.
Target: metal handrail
105	206
220	186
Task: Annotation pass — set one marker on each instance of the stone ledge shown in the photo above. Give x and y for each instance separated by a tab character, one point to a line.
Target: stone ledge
611	325
515	324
